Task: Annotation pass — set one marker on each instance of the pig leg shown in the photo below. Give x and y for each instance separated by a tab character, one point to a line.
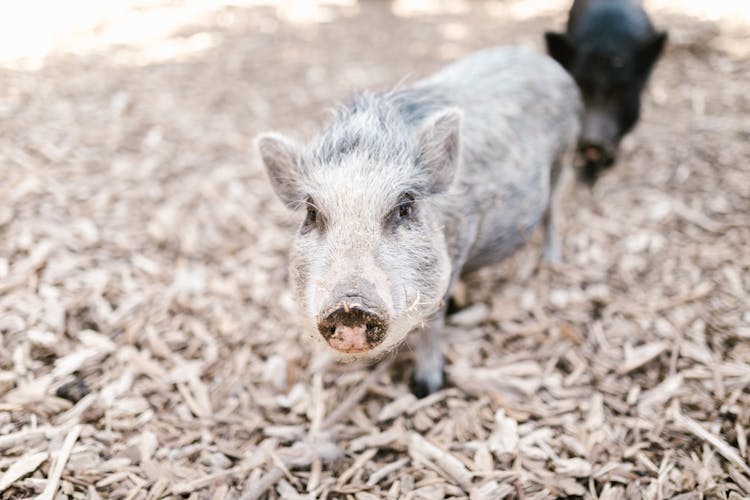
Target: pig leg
559	178
427	344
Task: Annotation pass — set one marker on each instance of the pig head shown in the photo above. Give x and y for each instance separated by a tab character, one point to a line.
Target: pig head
369	262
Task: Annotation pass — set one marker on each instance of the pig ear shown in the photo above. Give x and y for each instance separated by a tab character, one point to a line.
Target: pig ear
649	52
280	157
439	143
560	47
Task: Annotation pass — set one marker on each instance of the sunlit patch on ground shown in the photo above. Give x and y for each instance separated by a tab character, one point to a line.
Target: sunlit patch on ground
147	29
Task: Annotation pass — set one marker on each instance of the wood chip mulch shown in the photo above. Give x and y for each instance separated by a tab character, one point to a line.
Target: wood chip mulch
149	346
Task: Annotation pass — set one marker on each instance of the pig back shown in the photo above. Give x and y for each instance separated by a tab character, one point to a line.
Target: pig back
521	112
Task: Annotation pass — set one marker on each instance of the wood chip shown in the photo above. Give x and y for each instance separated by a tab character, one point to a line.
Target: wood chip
385	471
358	464
397	407
448	464
61	458
721	446
639	356
21	467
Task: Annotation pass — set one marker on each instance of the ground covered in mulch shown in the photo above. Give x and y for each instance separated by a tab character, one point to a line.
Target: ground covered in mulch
149	345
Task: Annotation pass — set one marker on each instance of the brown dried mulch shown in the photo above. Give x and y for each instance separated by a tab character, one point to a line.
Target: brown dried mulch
148	346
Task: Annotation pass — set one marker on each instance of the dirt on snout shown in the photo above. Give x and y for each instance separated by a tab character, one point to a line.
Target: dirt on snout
149	343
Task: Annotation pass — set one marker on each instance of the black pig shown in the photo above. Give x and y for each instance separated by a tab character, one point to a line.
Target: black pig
609	48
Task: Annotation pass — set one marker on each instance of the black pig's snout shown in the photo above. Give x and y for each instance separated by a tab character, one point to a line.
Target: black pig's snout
351	327
595	158
603	155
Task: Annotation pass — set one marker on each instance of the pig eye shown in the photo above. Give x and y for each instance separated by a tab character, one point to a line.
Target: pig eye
404	210
313	218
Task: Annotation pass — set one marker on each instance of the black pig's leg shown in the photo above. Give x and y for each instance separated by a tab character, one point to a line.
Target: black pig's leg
559	182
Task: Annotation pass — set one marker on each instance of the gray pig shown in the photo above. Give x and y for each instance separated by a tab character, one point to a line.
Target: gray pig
405	191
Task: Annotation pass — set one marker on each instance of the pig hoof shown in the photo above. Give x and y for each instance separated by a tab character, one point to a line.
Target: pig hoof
424	386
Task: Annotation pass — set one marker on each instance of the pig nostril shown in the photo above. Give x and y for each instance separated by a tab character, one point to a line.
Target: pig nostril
374	332
596	155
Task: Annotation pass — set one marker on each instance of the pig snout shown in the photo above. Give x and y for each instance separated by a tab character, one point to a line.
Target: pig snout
599	137
597	153
352	327
596	158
